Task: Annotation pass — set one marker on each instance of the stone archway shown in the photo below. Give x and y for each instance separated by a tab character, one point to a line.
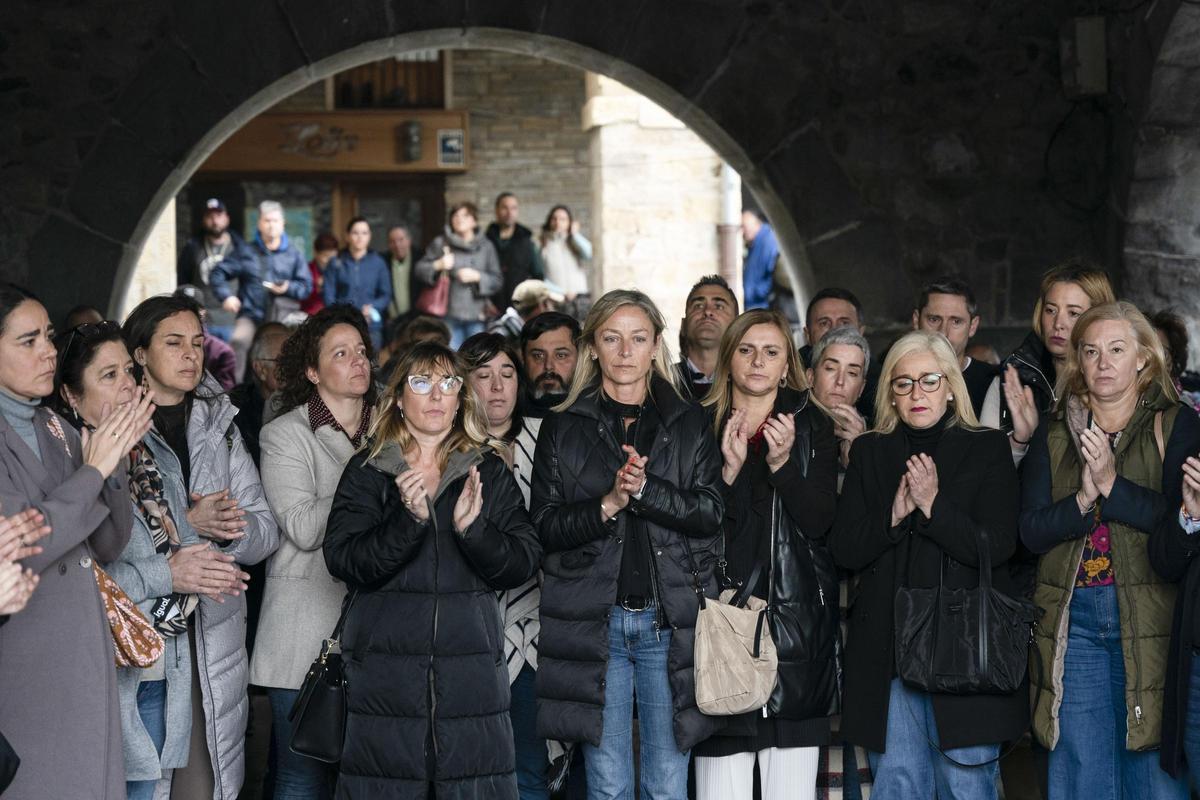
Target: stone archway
185	99
1162	233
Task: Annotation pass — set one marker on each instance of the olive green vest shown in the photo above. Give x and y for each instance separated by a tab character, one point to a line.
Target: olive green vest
1145	601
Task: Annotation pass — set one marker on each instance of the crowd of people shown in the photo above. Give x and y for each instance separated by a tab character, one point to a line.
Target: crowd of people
518	527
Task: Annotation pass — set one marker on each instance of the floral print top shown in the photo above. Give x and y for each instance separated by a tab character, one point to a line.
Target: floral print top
1096	563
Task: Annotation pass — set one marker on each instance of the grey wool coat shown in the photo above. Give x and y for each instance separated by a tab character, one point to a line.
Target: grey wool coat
220	461
58	690
301	600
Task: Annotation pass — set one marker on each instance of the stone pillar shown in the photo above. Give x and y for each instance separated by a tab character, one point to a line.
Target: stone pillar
656	199
155	271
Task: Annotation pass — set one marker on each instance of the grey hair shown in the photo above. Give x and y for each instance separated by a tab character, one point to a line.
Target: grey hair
269	207
258	348
847	334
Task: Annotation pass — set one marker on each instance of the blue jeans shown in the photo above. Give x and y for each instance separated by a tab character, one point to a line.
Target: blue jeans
295	777
532	758
461	330
152	708
912	768
1191	733
1090	760
637	662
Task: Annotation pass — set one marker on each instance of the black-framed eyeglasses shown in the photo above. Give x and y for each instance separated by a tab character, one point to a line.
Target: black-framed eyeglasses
423	384
930	382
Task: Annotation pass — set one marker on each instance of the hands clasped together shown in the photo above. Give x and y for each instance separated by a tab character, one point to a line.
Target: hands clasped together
779	434
18	537
918	489
1099	468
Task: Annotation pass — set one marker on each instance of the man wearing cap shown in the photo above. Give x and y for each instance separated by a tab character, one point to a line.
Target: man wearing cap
529	298
198	257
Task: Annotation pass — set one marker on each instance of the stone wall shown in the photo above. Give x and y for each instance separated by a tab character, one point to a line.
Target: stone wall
657	194
525	135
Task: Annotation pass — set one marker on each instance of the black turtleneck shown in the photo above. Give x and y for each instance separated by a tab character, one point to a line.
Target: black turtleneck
171	422
633	425
925	440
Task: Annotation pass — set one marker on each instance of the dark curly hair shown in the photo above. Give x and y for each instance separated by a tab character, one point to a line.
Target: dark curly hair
302	350
1173	327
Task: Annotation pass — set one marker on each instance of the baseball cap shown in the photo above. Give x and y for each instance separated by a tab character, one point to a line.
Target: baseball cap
213	204
531	292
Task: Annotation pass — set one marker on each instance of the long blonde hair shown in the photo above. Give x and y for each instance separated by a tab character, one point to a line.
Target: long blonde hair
720	395
1091	279
1071	380
469	428
886	418
586	368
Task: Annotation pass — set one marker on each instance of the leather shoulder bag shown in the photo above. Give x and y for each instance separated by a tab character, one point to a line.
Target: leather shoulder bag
963	641
318	716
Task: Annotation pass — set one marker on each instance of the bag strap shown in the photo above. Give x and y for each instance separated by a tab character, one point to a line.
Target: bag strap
695	570
335	638
985	588
1158	436
742	597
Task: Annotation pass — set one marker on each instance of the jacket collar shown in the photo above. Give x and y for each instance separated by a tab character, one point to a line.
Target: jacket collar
284	242
213	416
390	460
1152	401
667	402
458	243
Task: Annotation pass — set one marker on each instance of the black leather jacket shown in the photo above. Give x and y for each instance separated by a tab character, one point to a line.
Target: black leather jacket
1035	367
577	458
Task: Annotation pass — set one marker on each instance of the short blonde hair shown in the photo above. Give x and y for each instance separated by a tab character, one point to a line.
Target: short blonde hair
720	395
1091	279
1071	381
886	418
586	368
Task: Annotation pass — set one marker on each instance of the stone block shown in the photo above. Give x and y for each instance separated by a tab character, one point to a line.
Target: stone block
104	197
62	257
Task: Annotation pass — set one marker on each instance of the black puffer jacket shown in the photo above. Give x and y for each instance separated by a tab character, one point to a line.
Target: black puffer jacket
781	518
427	683
578	455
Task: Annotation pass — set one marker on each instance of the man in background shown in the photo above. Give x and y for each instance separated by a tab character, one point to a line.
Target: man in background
198	258
710	307
520	258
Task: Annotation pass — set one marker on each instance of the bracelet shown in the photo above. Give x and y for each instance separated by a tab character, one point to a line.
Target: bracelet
1188	517
1013	436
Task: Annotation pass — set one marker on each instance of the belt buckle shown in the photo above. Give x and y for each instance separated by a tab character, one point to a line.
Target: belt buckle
628	606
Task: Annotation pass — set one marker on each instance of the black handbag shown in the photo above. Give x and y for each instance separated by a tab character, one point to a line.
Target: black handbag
9	762
963	641
318	716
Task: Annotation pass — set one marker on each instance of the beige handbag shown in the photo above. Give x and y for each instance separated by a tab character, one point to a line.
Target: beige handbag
735	659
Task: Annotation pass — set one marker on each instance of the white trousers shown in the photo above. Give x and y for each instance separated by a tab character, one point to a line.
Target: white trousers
786	774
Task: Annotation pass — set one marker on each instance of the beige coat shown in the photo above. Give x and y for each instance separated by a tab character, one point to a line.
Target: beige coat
301	602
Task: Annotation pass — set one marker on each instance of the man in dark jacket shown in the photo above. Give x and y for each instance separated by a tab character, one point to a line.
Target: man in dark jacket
710	308
834	307
272	277
947	306
201	254
520	258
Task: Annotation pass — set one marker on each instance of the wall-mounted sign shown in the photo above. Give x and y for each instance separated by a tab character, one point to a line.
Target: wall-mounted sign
377	141
452	148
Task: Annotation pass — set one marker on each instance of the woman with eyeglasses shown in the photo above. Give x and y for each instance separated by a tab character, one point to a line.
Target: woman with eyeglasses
164	568
427	524
626	496
195	459
58	685
1100	506
919	489
324	372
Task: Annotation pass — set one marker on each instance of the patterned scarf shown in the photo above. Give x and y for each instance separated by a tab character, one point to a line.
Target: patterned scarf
170	612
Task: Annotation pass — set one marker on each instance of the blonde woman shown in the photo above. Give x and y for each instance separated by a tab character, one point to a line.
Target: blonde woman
1025	389
626	496
918	488
779	480
426	525
1101	478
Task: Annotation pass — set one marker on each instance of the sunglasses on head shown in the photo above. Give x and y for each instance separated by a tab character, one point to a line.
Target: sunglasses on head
83	332
423	384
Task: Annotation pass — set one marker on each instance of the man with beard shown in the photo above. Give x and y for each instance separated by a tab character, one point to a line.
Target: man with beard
200	255
710	308
549	352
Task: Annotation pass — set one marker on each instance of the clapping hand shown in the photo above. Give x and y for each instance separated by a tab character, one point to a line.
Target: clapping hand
1191	487
470	502
632	476
118	431
217	516
922	482
780	434
1098	460
1021	406
734	444
16	587
902	503
411	484
20	532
